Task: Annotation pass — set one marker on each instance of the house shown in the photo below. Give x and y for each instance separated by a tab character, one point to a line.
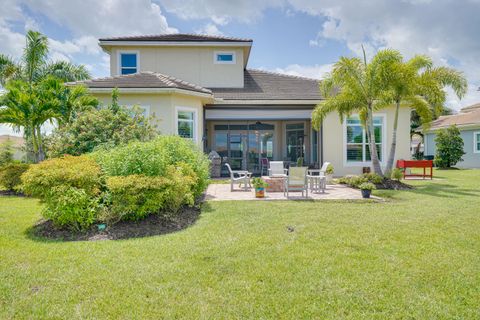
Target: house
17	143
468	122
200	87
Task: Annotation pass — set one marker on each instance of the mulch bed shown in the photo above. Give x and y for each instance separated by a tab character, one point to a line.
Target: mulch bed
389	184
151	226
11	193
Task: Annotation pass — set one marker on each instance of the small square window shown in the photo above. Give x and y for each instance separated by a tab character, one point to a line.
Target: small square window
128	63
224	57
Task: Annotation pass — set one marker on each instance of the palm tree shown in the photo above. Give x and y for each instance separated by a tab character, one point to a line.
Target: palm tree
35	66
355	85
33	96
420	86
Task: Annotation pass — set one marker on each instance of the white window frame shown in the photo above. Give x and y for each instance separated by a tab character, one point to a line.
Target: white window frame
119	61
195	120
476	141
216	53
383	144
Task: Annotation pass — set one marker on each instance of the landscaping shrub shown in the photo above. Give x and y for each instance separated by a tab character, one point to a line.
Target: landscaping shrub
107	127
397	174
355	181
70	207
152	158
134	197
450	145
70	188
79	172
10	175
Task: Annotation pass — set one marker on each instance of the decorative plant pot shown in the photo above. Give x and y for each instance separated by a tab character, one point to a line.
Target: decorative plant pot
366	193
329	178
259	192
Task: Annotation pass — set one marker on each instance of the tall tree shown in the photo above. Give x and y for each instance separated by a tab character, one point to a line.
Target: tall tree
356	85
31	99
419	85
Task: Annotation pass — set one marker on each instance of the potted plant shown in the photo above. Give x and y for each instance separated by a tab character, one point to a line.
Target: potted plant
329	173
259	184
367	188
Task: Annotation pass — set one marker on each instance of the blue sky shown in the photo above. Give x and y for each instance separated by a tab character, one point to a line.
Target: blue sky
300	37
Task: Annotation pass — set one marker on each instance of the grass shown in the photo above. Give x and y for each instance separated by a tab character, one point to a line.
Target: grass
415	256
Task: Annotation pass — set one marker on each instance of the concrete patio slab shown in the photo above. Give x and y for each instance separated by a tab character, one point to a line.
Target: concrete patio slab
221	192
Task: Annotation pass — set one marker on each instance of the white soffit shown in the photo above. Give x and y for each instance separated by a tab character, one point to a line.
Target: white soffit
232	114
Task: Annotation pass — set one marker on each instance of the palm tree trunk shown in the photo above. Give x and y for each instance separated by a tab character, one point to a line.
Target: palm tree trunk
393	146
371	141
41	152
35	144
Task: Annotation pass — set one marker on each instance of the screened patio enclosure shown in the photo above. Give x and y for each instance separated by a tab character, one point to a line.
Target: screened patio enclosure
243	144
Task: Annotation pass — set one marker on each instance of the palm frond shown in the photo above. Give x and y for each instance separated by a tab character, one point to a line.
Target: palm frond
65	71
35	54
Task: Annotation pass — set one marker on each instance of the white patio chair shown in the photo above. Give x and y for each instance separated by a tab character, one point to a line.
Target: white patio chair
277	170
323	169
239	177
296	181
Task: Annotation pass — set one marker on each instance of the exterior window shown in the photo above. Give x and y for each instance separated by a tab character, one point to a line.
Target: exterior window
357	149
186	124
224	57
476	142
128	63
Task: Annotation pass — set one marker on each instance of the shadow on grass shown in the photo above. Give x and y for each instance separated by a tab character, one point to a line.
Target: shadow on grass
446	190
153	225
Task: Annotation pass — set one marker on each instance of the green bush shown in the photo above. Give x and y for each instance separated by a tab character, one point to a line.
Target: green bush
134	197
100	128
373	178
70	207
396	174
152	158
449	147
10	175
355	181
79	172
367	186
70	188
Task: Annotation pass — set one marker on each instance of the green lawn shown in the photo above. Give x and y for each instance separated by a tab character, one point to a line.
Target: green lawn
415	256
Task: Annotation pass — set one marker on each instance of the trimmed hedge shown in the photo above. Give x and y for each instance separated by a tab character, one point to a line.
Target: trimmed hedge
134	197
10	176
154	157
355	181
70	188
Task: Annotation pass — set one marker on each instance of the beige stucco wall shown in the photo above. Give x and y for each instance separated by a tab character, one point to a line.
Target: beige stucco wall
334	140
192	64
163	108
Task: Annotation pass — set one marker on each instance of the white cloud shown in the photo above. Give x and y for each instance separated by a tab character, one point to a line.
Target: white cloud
314	72
104	18
243	11
210	29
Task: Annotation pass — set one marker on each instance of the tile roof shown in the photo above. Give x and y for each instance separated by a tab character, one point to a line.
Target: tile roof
471	108
263	85
180	37
150	80
461	119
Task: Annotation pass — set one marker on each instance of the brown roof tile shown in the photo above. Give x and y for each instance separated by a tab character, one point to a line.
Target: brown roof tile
180	37
142	80
461	119
263	85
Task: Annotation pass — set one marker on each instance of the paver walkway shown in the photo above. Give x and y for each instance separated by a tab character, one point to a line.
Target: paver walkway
221	192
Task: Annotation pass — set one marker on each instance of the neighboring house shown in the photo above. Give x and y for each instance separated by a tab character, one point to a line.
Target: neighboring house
17	142
199	87
468	122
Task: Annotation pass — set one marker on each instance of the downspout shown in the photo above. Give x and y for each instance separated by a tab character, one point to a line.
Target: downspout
321	145
204	138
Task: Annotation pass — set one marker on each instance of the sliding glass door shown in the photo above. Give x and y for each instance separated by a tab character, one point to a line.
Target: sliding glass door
243	145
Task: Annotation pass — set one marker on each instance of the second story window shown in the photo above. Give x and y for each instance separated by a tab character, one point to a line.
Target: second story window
128	63
224	57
